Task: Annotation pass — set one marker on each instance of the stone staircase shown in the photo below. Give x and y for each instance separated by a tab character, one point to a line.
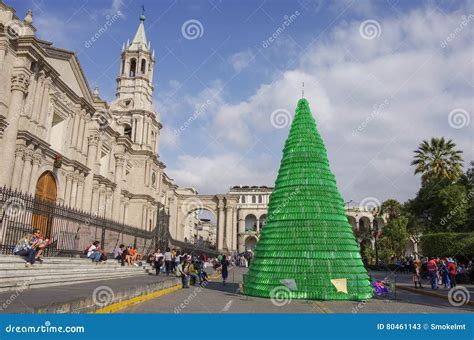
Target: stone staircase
57	271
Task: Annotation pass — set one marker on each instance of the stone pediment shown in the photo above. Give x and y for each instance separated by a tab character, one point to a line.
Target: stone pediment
69	69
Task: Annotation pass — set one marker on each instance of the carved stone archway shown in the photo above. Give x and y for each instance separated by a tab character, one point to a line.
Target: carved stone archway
222	206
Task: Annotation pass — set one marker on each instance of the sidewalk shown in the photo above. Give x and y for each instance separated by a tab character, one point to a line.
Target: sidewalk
83	297
405	282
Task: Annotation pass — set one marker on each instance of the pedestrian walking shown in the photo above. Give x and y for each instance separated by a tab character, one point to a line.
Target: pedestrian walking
224	269
168	259
417	274
433	272
452	269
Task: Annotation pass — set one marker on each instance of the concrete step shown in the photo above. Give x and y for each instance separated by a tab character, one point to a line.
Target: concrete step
56	271
17	259
45	266
61	282
26	273
32	279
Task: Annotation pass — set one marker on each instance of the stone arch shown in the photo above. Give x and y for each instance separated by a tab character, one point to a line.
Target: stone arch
250	222
365	233
133	67
127	130
262	219
46	195
46	187
353	222
251	242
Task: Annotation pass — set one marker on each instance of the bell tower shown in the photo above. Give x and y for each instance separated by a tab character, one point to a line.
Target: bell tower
134	83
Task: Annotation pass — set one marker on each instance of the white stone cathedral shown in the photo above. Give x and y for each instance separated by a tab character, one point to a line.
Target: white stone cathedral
61	142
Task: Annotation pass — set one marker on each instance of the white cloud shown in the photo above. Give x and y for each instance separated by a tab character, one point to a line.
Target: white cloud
242	60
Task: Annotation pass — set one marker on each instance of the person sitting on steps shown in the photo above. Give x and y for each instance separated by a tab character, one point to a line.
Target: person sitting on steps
95	253
28	246
118	252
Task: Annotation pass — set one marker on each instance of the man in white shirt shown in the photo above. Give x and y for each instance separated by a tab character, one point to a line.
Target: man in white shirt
93	252
168	259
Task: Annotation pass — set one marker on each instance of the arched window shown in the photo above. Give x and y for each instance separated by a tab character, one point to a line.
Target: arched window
123	66
242	199
143	67
260	200
133	67
127	131
254	199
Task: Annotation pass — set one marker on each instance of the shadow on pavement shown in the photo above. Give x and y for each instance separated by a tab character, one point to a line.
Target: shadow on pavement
228	288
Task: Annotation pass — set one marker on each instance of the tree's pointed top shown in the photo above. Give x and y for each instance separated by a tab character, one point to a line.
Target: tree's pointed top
303	103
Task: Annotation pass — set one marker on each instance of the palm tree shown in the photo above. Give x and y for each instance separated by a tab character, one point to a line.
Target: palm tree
438	159
392	208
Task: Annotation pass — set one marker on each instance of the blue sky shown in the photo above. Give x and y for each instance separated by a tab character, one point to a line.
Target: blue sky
380	76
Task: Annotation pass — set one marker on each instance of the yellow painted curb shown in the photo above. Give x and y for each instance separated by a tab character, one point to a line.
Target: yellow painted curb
115	307
428	293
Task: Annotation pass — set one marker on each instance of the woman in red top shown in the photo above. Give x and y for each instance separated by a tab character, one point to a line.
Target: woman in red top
452	273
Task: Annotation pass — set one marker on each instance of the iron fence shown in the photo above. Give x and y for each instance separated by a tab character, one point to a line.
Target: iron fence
71	231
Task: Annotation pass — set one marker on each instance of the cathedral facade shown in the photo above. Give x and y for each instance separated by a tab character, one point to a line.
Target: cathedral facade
59	141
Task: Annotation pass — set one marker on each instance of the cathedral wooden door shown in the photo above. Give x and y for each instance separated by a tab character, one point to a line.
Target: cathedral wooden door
45	201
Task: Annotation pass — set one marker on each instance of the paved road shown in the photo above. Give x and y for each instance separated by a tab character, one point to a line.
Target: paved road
216	298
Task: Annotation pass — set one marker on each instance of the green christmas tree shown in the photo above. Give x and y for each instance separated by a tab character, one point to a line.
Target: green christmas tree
307	249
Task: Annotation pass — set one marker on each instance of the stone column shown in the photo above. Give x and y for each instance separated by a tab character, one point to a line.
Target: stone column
125	211
75	130
234	228
67	192
30	99
38	98
17	167
95	198
241	231
34	173
149	142
258	225
122	207
80	131
44	105
80	189
134	129
139	130
119	163
220	225
19	87
91	162
26	174
84	135
75	180
228	226
108	203
101	208
3	50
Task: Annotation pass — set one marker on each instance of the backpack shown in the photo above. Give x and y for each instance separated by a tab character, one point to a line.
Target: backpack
86	250
23	246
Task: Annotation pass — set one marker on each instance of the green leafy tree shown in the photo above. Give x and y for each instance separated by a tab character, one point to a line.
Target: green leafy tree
393	242
441	207
392	208
438	159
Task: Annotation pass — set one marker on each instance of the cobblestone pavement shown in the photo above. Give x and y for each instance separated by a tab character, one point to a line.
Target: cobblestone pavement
216	298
